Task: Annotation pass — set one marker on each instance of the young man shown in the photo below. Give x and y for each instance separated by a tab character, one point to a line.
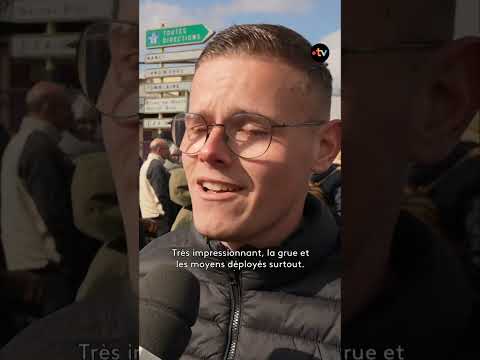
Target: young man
257	129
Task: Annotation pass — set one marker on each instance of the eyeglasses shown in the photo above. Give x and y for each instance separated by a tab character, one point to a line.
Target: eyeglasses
108	51
247	135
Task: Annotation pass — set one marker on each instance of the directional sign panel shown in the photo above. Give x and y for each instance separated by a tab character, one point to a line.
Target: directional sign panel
176	36
43	45
157	123
173	71
177	56
31	11
165	105
172	86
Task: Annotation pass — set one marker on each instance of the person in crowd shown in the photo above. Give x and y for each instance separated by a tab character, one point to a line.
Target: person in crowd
180	195
328	186
258	124
96	213
172	159
175	155
82	138
107	321
38	233
155	204
445	196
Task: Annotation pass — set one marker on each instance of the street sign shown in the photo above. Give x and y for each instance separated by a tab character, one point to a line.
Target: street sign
172	86
165	105
176	36
173	71
174	56
157	123
31	11
43	45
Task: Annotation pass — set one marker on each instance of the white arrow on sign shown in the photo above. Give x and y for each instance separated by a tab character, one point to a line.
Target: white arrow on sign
43	45
165	105
173	71
173	86
157	123
173	56
153	38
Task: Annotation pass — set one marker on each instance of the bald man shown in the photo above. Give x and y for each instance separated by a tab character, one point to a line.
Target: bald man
155	204
37	230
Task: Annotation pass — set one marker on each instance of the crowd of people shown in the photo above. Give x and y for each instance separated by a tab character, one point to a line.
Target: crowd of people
53	198
405	278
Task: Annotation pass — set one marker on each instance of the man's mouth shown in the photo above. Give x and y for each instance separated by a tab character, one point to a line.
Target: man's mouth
218	187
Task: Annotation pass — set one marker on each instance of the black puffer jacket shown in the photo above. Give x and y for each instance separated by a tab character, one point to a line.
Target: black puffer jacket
268	313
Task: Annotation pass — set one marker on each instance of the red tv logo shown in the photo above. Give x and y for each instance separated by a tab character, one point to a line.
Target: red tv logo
320	52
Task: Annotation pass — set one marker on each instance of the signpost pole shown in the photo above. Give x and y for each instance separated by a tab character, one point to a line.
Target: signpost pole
161	66
49	64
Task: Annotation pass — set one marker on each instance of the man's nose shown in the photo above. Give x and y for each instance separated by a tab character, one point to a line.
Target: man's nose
215	150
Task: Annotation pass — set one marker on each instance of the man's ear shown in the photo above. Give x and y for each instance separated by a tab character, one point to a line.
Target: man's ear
452	99
327	145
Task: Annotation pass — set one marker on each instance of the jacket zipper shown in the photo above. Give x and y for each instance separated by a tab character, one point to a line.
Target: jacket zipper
235	318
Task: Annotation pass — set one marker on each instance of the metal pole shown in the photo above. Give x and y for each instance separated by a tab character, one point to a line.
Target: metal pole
49	64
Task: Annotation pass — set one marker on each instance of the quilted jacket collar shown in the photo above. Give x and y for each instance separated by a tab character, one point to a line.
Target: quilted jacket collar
318	233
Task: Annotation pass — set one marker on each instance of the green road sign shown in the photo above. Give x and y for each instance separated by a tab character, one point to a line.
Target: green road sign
176	36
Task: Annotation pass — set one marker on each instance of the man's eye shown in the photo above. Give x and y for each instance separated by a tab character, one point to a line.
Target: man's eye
250	134
253	131
197	129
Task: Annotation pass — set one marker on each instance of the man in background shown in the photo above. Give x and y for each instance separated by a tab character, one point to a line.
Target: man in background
173	158
155	204
107	321
38	233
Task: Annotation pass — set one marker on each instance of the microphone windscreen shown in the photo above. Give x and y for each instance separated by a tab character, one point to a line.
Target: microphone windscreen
168	306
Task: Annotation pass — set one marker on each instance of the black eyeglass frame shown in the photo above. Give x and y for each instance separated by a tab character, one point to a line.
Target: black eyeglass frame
78	47
273	124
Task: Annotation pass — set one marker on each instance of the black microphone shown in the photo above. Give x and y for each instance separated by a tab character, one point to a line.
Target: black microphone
168	306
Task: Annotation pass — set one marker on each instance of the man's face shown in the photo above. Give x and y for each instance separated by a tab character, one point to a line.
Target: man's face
164	152
261	192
